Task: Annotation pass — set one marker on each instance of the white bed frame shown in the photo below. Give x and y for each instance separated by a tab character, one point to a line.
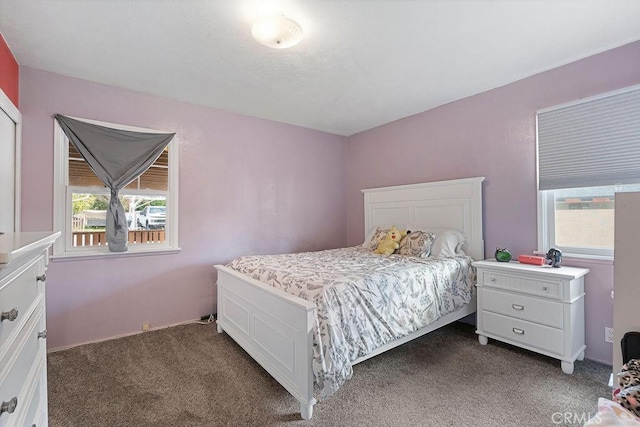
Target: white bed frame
275	328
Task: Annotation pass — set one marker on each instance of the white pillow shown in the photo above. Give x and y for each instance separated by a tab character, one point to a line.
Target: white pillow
448	243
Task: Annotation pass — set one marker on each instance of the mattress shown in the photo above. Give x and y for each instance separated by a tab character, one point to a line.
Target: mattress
364	300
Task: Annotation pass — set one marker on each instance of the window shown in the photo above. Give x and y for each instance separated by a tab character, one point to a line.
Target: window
580	220
587	151
81	199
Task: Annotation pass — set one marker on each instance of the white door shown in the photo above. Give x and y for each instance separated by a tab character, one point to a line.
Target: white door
7	172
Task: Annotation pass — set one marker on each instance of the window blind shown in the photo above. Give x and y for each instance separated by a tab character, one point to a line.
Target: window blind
591	143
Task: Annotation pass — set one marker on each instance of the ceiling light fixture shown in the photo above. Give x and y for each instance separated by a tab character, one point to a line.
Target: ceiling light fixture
278	32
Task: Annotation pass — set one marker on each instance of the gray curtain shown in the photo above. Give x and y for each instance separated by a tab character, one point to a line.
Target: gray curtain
117	157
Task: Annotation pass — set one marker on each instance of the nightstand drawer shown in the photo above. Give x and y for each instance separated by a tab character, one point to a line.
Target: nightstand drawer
523	307
545	288
531	334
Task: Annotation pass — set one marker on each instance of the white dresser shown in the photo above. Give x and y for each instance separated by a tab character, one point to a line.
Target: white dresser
23	357
539	308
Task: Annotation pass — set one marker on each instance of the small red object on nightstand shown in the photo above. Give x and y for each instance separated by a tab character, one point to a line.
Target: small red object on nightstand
531	259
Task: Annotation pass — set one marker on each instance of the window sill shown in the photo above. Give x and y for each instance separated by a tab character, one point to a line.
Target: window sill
101	254
598	259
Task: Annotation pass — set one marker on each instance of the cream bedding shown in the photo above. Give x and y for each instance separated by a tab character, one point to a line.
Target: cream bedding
363	300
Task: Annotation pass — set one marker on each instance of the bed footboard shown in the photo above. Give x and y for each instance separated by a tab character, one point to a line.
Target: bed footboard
275	328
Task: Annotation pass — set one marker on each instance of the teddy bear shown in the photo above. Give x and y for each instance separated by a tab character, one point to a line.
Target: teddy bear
390	242
628	395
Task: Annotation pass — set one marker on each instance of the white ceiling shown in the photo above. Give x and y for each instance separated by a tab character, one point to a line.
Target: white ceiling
361	64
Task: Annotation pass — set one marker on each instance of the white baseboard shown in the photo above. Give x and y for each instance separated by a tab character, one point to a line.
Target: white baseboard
66	347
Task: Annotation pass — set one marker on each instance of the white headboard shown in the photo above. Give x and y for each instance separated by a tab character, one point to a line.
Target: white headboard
452	204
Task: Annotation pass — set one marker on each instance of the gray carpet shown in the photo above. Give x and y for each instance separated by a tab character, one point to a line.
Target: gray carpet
192	376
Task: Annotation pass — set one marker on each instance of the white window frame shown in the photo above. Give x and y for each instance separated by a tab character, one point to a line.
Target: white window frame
547	232
62	192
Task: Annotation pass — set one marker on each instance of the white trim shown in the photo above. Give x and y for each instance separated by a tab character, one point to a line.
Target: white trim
18	177
14	114
587	99
566	256
546	216
173	199
606	254
9	107
62	191
60	181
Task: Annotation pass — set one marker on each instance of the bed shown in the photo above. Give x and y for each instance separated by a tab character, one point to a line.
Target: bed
276	328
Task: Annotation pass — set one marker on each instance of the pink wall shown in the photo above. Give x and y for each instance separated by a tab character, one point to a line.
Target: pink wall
246	186
254	186
9	72
492	134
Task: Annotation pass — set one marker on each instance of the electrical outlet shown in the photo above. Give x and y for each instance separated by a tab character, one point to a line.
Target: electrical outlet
145	326
608	335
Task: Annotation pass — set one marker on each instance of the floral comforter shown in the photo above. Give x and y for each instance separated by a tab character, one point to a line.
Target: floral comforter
363	300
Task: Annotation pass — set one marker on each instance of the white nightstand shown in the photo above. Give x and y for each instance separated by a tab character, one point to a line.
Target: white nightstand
539	308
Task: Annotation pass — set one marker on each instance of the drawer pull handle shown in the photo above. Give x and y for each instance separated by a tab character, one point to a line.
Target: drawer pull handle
518	331
544	288
493	279
43	334
9	406
10	315
41	278
517	307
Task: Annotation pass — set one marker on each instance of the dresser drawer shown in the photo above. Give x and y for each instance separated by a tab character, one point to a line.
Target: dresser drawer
18	295
537	310
19	365
34	398
520	331
532	286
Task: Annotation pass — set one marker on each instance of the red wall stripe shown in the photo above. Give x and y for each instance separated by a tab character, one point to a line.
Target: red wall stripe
9	72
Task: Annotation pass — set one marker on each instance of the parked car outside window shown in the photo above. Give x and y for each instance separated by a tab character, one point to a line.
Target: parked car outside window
152	217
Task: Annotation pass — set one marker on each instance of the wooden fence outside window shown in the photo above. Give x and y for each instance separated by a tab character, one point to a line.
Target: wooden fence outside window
98	238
